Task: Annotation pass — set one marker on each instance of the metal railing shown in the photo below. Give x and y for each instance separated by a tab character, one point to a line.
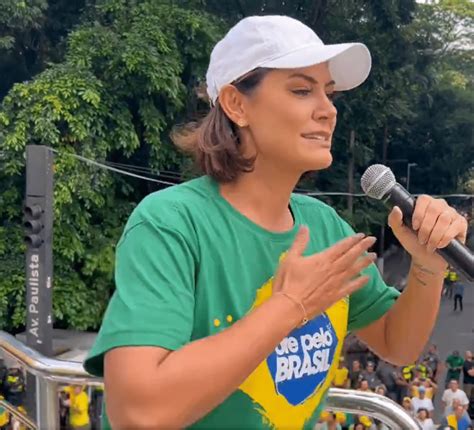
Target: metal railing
18	415
50	372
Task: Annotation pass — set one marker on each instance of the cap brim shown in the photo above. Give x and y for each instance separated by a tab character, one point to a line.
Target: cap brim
349	63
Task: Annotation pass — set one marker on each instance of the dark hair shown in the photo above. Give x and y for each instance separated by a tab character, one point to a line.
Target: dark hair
213	142
423	410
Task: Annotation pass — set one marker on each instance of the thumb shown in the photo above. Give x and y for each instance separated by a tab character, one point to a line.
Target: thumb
300	242
395	220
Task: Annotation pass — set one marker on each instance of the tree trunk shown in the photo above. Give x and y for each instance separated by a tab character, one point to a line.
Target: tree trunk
350	173
382	227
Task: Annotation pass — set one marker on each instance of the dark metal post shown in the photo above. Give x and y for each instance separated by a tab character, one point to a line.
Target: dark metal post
38	223
38	211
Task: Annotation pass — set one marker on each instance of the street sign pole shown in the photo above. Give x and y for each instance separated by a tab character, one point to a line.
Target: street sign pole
38	224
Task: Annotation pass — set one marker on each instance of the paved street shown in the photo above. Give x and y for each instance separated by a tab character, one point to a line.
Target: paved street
453	330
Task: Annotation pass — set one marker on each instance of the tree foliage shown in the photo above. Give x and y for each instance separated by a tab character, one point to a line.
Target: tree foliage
125	79
108	79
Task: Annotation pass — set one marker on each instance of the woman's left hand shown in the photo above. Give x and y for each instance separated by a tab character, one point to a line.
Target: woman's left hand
435	224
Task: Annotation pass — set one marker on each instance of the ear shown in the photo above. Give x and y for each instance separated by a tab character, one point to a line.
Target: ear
232	103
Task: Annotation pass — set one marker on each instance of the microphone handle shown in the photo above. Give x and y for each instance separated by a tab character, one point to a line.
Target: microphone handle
456	253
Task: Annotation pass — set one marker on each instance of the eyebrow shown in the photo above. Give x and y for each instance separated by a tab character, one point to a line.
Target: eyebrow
309	79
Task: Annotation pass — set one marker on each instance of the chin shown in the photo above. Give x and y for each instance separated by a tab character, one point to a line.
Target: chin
320	163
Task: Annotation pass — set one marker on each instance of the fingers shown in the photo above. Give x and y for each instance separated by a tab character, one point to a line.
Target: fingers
360	264
354	285
437	223
439	229
456	230
421	206
430	217
341	247
347	259
300	242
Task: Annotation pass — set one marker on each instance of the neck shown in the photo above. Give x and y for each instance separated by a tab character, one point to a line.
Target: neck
263	196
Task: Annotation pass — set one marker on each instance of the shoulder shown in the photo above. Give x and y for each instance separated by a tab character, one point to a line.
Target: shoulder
82	397
307	203
173	207
313	210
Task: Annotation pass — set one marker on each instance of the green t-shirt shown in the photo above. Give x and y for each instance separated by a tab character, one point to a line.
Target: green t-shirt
454	362
189	265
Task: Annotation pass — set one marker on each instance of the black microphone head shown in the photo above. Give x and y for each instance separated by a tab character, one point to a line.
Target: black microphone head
377	181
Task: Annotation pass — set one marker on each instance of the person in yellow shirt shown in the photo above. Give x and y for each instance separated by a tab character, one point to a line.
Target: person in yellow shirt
407	372
457	420
341	377
78	408
365	421
16	423
430	388
329	420
4	417
452	278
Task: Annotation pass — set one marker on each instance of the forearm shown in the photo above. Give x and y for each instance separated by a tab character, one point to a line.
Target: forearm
193	380
417	307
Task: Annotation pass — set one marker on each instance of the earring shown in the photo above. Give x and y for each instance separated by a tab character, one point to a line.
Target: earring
241	123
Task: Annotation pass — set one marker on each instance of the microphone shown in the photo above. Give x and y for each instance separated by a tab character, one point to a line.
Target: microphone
378	182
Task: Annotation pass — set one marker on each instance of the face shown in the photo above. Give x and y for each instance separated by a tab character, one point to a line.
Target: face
454	385
407	404
468	355
381	391
355	365
291	119
370	368
422	414
364	385
459	411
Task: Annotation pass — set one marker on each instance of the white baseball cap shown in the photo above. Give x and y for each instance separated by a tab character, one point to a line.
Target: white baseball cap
281	42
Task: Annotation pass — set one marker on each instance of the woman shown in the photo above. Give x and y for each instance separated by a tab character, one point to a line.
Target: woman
233	294
424	420
407	405
429	386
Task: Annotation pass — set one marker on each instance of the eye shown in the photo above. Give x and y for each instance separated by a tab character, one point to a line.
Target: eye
301	92
333	96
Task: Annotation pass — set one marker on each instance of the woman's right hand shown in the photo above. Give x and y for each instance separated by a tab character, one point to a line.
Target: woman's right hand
320	280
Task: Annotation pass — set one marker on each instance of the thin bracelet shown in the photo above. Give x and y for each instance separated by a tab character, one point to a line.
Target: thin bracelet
305	315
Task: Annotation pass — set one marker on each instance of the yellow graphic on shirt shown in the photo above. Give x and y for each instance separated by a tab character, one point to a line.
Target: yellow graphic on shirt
288	387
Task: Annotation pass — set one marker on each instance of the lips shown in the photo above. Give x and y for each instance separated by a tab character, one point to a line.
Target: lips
321	137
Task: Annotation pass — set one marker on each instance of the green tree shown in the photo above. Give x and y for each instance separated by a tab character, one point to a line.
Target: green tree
125	80
32	34
441	139
111	90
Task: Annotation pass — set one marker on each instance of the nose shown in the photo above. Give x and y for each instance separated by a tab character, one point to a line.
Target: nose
324	109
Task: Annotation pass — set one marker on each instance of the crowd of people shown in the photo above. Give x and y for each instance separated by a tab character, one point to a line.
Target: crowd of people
413	387
80	408
12	389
